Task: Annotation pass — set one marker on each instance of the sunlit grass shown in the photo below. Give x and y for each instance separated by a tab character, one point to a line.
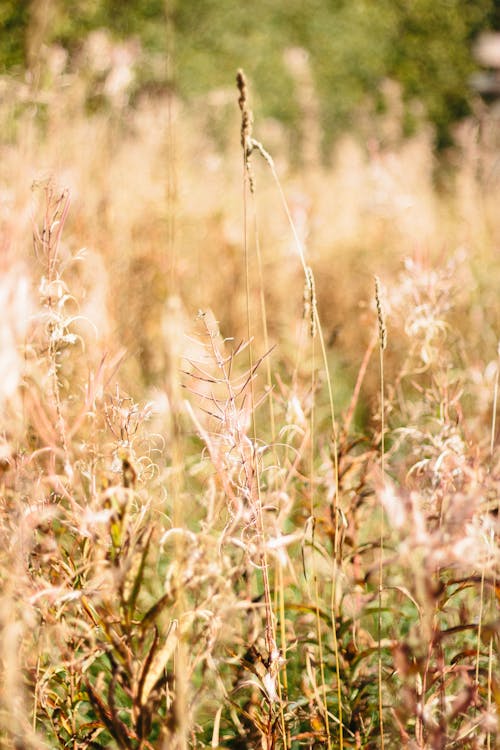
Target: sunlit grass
223	523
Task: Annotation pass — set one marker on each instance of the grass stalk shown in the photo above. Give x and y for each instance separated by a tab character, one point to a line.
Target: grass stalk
382	346
314	572
326	365
249	186
279	606
495	403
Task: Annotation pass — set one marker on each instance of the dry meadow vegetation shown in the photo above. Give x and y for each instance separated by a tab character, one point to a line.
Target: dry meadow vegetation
249	497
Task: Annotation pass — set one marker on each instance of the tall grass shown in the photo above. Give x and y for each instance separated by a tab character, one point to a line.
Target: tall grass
222	525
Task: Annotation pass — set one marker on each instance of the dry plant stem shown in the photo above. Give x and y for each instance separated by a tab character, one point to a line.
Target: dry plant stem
283	643
495	404
480	623
381	553
265	331
247	288
301	254
319	635
35	694
316	326
359	382
382	331
172	182
427	675
489	693
246	125
249	462
267	157
490	649
181	660
490	689
47	243
321	660
179	522
176	482
336	554
170	265
278	572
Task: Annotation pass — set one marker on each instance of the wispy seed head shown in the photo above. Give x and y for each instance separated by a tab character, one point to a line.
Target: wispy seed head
310	302
246	114
382	329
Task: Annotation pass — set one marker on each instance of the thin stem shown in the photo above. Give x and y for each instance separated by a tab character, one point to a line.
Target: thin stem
495	402
35	696
382	332
381	550
265	330
249	145
334	446
278	571
480	623
319	635
490	689
270	634
359	382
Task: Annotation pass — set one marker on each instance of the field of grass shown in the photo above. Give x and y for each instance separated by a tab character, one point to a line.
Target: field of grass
249	451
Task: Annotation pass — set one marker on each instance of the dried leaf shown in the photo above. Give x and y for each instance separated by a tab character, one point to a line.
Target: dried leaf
133	577
157	661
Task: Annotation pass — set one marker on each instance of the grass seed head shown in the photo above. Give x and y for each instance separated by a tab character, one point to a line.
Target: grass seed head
246	113
310	302
382	329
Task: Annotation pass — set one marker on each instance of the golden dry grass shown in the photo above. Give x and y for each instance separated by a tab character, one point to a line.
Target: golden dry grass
218	529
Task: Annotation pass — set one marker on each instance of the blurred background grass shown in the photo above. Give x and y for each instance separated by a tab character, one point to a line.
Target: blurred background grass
352	47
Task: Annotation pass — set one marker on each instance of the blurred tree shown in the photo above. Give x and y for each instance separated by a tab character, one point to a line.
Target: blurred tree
431	55
41	17
141	18
14	16
353	45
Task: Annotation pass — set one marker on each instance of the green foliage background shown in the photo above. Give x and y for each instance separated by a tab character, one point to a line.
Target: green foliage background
353	45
